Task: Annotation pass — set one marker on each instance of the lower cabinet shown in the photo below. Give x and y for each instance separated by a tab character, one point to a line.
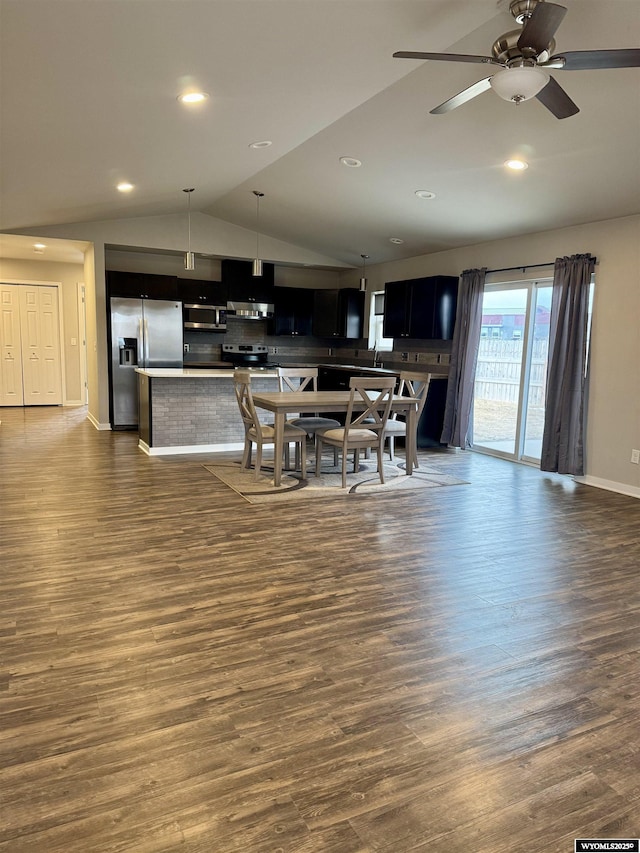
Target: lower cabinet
432	418
336	378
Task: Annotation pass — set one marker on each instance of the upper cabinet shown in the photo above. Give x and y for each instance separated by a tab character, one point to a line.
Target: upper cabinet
293	312
199	291
338	313
421	308
242	286
142	285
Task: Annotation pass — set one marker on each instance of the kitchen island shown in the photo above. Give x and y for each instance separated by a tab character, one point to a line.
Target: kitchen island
192	410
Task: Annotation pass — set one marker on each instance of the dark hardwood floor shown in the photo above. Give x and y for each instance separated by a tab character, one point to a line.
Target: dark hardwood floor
451	671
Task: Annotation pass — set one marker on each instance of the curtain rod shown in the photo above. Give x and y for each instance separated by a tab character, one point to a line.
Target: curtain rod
529	267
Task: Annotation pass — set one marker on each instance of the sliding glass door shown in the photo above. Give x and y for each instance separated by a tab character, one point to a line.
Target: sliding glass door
508	410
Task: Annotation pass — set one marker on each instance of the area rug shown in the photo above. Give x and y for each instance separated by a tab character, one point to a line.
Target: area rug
293	487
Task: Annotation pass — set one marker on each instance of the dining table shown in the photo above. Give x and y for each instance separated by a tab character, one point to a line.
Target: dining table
281	403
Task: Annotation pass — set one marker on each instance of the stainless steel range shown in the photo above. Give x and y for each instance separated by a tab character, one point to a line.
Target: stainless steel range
247	355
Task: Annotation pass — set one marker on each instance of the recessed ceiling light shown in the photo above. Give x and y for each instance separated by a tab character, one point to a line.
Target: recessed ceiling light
516	165
396	240
264	144
351	161
425	194
192	97
124	187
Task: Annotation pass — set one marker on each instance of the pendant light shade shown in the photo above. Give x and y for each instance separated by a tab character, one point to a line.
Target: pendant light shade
257	263
189	256
363	278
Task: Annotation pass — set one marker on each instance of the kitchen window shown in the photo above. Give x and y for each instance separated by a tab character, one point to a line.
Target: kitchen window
377	341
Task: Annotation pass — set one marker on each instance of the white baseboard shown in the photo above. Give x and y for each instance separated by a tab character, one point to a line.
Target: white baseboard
96	423
75	403
189	448
609	486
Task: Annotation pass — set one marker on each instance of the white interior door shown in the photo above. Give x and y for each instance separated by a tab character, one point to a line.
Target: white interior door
10	347
39	326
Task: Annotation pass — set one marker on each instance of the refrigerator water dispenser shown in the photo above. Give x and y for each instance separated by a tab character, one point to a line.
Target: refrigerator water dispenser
128	352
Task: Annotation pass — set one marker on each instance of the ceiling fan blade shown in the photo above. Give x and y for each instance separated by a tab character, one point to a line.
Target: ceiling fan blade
556	100
446	57
585	60
540	28
462	97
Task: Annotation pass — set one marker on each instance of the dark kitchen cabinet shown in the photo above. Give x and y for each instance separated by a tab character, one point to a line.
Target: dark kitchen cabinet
338	313
397	314
420	308
199	291
242	286
142	285
432	417
336	378
293	312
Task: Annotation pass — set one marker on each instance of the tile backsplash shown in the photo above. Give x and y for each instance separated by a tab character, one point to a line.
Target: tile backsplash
207	346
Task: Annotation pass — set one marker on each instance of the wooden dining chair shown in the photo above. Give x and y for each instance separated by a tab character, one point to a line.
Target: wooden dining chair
258	433
412	384
299	379
370	401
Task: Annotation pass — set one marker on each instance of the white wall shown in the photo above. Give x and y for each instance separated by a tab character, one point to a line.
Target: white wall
209	269
68	275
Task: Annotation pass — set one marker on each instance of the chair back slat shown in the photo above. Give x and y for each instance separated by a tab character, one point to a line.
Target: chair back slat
374	395
297	378
242	388
415	384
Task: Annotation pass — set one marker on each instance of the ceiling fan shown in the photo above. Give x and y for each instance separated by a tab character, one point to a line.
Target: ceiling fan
523	57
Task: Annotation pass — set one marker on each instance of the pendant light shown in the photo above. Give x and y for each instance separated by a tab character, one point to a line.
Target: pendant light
257	263
189	257
363	278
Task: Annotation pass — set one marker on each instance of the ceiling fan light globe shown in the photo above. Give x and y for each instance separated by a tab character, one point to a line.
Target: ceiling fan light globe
520	83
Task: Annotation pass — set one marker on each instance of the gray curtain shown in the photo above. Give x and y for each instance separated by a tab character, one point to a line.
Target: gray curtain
457	426
562	441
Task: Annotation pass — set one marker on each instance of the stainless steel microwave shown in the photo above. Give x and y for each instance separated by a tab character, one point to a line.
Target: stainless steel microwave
206	318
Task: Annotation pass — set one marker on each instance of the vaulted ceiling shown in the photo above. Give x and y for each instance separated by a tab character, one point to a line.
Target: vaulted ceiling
89	98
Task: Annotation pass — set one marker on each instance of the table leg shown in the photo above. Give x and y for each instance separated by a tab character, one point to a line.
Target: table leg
278	448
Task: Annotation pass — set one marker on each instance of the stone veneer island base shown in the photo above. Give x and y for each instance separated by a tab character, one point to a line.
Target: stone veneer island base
191	410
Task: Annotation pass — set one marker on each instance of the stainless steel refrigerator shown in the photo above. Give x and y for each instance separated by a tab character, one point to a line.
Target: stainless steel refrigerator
144	333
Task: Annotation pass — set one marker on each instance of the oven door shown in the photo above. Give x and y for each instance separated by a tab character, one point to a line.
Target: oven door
206	318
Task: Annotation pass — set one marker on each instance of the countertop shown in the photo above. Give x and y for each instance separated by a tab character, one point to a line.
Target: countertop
214	372
200	372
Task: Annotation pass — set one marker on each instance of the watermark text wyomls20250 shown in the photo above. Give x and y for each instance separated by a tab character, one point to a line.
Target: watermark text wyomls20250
607	845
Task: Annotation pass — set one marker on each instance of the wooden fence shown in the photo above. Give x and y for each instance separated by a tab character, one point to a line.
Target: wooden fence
498	371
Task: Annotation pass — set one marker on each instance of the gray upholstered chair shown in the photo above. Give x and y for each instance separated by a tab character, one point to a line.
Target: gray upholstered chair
298	379
366	419
258	433
412	384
